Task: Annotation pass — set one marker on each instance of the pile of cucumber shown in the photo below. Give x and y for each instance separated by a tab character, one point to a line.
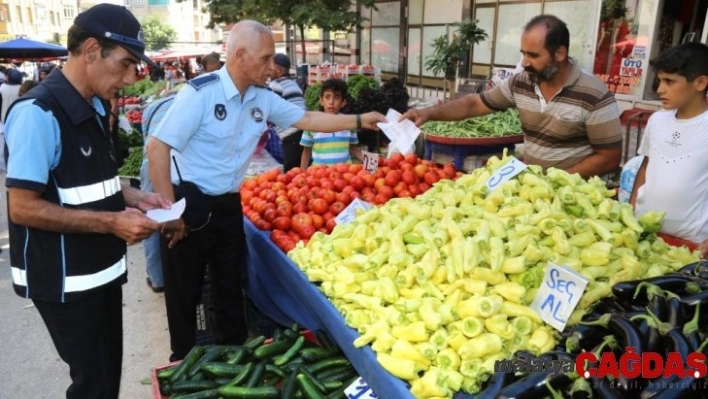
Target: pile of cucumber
288	366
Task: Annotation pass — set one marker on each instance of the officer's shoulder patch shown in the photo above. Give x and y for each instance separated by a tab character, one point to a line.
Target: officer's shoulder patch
203	80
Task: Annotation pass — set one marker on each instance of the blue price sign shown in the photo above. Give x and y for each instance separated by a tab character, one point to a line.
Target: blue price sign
506	172
359	389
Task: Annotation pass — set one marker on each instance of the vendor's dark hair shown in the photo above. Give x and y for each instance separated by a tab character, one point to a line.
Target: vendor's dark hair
336	85
77	36
557	34
689	60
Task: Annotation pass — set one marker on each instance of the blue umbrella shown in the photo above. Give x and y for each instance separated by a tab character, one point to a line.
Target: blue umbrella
30	49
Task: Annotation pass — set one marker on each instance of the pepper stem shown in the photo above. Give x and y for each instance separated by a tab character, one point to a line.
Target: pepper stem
601	321
692	326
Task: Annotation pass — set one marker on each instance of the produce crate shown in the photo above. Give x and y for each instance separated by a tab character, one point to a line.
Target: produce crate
206	328
156	394
458	154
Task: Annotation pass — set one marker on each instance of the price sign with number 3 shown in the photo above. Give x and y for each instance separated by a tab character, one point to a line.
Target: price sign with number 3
506	172
370	161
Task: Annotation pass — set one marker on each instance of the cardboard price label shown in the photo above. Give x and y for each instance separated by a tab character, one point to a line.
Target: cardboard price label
558	295
506	172
359	389
370	161
349	213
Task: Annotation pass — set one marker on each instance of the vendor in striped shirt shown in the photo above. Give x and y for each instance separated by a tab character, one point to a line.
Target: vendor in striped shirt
330	148
569	118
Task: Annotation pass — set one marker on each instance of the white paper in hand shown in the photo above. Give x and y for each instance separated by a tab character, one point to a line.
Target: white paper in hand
166	215
402	134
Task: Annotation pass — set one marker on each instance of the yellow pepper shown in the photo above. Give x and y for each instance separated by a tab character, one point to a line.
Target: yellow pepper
439	339
472	326
429	315
402	368
456	339
480	346
383	342
427	349
428	387
510	291
512	309
541	340
448	359
451	378
499	325
414	332
403	349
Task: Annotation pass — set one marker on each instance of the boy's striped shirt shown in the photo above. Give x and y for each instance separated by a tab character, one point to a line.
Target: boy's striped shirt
329	148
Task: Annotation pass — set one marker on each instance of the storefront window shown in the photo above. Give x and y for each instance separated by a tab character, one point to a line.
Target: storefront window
621	49
510	26
384	48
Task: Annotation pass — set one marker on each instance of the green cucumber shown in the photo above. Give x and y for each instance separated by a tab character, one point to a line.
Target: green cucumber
272	349
277	335
308	388
291	352
221	369
210	355
208	394
239	355
290	333
192	386
274	370
293	364
319	385
180	372
311	355
256	376
334	371
331	386
289	387
327	363
222	380
241	377
165	374
339	393
243	392
255	342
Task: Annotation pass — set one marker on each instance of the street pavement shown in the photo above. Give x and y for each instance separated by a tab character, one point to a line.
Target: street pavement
30	366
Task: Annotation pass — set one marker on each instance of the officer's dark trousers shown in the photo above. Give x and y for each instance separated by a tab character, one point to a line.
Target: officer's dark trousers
88	334
221	244
292	151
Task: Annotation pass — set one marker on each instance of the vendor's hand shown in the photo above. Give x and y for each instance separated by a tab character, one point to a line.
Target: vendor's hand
174	231
370	119
418	116
133	226
150	201
704	249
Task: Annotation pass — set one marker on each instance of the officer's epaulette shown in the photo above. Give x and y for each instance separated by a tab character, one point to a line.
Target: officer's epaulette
201	81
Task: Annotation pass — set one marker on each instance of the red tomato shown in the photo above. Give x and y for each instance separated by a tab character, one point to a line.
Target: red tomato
423	187
368	196
317	221
342	197
355	167
328	195
269	215
347	190
329	225
307	231
404	194
411	159
357	183
414	189
354	194
327	216
337	207
409	177
318	205
392	178
380	199
282	223
288	245
341	167
420	170
299	208
339	185
327	184
450	171
386	191
300	220
400	187
395	160
431	178
369	180
380	182
347	177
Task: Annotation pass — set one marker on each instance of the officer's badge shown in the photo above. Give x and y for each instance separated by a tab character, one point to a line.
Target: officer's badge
220	112
257	114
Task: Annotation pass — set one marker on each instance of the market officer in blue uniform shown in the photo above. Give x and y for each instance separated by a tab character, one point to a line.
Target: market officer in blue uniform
212	129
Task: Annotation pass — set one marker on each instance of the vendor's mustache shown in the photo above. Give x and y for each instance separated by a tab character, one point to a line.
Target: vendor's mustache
530	69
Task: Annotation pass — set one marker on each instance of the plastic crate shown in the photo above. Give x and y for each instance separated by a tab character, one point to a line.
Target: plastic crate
458	153
206	328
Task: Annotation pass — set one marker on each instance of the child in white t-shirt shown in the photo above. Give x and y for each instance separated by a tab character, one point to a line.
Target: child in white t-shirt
673	177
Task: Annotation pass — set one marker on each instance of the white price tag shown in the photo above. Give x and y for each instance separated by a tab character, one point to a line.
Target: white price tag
402	134
511	169
558	295
359	389
371	161
349	213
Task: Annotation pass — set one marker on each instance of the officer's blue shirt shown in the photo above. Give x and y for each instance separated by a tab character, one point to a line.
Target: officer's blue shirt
33	138
213	131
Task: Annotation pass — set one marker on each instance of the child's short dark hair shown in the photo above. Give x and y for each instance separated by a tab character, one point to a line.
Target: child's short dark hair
335	85
689	60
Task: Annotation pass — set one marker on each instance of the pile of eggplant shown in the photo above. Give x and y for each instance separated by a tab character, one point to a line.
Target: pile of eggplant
662	315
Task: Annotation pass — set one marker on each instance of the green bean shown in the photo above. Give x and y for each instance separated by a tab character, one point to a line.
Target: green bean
498	124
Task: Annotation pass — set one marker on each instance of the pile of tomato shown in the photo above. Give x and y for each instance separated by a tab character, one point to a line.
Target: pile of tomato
297	204
122	101
134	116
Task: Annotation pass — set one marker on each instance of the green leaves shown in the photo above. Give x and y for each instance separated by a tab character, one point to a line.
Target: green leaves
447	54
158	35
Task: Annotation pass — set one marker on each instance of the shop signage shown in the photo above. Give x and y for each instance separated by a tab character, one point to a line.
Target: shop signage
359	389
631	67
558	295
506	172
647	365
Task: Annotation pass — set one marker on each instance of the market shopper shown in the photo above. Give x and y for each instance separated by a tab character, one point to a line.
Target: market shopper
212	129
211	62
285	86
673	177
569	118
68	222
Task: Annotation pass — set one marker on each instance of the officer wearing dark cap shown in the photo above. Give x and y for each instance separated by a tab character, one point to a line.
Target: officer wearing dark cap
68	221
286	87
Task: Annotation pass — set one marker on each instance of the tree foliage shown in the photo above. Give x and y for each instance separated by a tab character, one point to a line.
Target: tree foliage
158	35
330	15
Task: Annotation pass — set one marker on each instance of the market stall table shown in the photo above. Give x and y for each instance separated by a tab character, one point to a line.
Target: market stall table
281	291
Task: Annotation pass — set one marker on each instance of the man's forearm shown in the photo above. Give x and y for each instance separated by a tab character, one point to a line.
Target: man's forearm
131	195
41	214
159	168
316	121
592	165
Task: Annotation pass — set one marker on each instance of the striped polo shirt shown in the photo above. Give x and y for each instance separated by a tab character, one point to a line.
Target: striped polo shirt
329	148
583	115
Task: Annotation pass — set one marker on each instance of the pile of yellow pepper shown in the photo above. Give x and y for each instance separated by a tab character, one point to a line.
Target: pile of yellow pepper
439	285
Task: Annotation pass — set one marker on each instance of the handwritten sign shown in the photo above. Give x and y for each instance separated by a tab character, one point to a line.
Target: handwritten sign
359	389
511	169
349	213
631	67
558	295
371	161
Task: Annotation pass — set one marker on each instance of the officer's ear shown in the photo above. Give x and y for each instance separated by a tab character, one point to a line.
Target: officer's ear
91	49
